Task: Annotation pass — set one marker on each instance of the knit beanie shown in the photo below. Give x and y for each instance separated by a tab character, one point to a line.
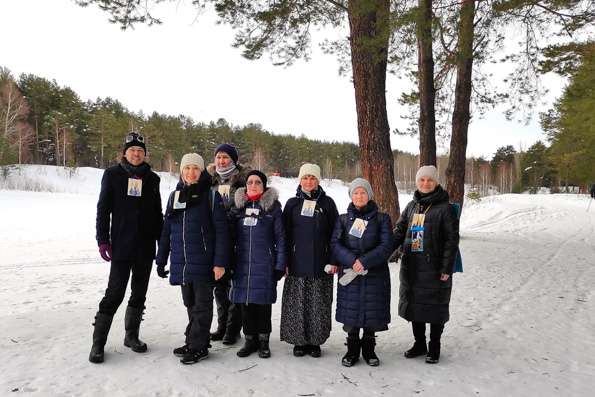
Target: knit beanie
429	171
134	139
259	174
230	150
192	159
310	169
361	182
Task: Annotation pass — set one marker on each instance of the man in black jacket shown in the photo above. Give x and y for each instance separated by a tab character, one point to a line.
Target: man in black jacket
593	191
130	197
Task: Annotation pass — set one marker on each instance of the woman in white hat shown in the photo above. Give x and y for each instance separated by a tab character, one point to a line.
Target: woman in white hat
309	218
428	232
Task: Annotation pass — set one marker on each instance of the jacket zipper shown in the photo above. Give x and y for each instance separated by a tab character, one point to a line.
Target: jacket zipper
203	238
184	244
249	261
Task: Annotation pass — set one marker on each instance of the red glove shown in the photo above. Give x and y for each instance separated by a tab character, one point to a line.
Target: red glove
105	250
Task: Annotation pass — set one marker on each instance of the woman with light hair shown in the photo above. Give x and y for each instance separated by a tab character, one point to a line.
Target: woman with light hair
309	218
428	232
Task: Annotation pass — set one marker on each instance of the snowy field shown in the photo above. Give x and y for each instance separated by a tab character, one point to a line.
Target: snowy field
522	314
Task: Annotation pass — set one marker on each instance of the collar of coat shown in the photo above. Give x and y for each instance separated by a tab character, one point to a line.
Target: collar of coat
268	199
237	179
437	196
367	213
319	193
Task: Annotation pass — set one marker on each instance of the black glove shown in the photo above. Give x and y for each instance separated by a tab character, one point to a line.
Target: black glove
161	272
279	274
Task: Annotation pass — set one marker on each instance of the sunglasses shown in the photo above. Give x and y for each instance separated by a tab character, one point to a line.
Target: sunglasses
135	137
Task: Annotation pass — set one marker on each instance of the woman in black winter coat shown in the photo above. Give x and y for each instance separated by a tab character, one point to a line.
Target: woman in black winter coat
362	243
428	232
195	238
260	260
309	219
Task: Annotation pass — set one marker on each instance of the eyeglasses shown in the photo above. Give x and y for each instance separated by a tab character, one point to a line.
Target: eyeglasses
135	137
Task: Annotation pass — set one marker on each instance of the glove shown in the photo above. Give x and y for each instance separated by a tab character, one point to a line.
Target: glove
161	272
105	250
279	274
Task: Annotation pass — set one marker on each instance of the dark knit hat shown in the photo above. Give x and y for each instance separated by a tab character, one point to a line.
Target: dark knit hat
230	150
259	174
134	139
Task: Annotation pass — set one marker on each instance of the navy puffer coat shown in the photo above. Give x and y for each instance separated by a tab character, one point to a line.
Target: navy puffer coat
259	250
365	302
422	296
309	238
196	238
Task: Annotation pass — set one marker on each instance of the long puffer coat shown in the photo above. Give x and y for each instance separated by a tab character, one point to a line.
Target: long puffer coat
308	238
365	302
422	296
135	221
196	236
259	249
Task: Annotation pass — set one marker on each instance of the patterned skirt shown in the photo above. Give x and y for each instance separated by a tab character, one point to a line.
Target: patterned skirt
306	310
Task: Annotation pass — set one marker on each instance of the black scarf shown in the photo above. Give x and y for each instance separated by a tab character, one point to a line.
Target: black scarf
135	170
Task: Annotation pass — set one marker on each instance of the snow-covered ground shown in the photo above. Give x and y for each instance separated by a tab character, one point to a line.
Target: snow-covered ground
522	314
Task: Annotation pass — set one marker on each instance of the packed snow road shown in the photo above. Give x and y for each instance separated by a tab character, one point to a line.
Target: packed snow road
522	314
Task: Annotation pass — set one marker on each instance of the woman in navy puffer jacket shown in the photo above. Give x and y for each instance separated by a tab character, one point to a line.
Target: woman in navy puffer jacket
195	237
362	243
260	260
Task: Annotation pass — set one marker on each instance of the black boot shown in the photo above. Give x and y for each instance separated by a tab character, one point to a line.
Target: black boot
194	356
368	343
223	303
300	350
250	346
314	351
353	348
419	348
433	355
233	326
263	346
102	325
132	321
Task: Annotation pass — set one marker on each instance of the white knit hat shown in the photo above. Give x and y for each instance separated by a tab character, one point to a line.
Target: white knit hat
310	169
192	159
361	182
429	171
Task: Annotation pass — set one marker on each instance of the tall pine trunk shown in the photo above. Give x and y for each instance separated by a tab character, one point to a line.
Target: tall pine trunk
455	172
427	92
369	28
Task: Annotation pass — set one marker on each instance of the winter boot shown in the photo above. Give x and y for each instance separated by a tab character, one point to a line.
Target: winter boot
132	321
299	350
353	347
433	355
233	326
250	346
419	348
368	343
181	351
194	356
314	351
263	346
102	325
223	303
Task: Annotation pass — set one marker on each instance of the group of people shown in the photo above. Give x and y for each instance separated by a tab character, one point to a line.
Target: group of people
225	234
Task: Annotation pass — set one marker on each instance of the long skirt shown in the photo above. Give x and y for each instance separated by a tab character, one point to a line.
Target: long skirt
306	310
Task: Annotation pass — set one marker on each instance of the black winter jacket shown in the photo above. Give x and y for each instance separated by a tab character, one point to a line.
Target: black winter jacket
197	236
365	302
422	296
308	238
135	221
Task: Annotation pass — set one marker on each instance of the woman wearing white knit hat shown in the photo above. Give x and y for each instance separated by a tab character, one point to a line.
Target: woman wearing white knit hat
195	239
309	218
428	232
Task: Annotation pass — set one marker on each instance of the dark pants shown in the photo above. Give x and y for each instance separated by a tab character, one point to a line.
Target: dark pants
228	314
198	299
256	319
353	332
118	280
419	331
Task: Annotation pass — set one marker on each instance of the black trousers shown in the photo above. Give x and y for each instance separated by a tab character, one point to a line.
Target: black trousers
256	319
198	299
228	313
118	280
419	331
353	332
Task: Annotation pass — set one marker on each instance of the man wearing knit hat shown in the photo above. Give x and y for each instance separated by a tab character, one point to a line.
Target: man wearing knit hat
129	222
227	175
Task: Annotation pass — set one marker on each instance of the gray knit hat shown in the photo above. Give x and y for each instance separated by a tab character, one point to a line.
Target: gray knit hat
429	171
192	159
361	182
